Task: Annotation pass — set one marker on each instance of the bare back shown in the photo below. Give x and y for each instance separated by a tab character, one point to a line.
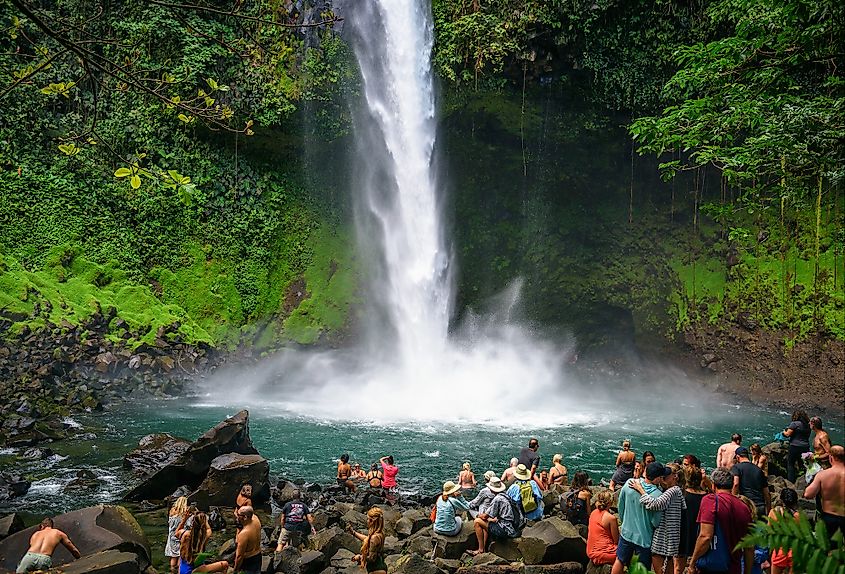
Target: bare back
45	541
832	484
821	445
249	538
625	456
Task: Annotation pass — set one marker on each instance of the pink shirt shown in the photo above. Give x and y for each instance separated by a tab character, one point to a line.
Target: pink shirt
390	473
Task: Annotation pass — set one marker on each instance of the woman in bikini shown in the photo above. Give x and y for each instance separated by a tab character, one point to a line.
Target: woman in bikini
466	478
374	477
625	462
371	557
344	473
558	472
760	459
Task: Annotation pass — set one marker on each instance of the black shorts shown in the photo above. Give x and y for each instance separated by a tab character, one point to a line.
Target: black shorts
832	522
252	565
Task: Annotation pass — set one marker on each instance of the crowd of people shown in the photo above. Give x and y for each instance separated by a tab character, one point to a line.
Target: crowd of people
668	515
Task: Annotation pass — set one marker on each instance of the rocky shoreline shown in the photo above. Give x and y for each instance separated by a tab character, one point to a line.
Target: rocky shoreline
130	539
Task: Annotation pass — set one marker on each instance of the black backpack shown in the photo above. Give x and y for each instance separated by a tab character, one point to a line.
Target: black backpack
572	506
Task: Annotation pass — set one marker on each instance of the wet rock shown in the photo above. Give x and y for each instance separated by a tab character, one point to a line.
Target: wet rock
85	480
12	486
155	451
93	530
36	453
227	474
10	524
230	436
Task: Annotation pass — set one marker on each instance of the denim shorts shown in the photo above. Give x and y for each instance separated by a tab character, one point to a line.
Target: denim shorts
626	550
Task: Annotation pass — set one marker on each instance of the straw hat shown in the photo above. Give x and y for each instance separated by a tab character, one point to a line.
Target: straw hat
521	472
450	487
496	485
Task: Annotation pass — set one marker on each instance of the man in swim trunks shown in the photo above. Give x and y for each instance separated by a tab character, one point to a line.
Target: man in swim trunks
821	442
42	544
830	482
248	540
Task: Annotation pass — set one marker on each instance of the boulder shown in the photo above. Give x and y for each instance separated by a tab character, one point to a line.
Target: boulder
455	546
412	521
414	564
559	568
776	453
191	467
286	562
107	562
547	542
93	530
10	524
154	452
12	486
311	562
447	565
332	539
282	493
342	559
225	476
598	569
518	568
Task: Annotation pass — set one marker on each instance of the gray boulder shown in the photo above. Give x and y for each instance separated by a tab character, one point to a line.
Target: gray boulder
414	564
225	476
10	524
107	562
93	530
154	452
549	541
191	467
776	453
455	546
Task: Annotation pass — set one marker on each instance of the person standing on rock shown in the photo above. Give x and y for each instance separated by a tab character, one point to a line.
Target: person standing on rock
389	471
42	544
798	433
297	523
371	557
665	542
830	483
498	521
733	518
529	457
248	541
726	453
192	544
638	523
750	481
821	442
244	498
760	458
171	547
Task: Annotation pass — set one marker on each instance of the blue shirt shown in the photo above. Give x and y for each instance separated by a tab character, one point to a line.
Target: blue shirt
638	524
446	510
513	492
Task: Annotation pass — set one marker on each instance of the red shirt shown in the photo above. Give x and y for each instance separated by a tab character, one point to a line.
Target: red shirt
389	475
734	519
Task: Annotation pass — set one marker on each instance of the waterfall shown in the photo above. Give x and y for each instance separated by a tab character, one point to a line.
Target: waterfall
408	366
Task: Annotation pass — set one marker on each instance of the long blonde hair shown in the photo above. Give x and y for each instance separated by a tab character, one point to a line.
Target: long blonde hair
194	543
373	544
179	507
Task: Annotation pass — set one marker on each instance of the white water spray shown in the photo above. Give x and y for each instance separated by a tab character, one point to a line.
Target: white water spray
410	368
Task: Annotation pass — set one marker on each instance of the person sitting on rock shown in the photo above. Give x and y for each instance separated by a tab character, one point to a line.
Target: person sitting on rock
192	546
297	523
244	498
602	531
576	502
466	478
371	557
498	521
375	477
557	472
507	476
42	544
624	466
248	540
526	493
485	496
449	504
344	473
171	547
357	472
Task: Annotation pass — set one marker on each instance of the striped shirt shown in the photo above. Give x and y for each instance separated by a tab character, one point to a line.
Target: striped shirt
667	535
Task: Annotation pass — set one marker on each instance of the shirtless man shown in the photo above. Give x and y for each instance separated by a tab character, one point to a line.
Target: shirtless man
821	442
507	476
248	550
830	482
42	544
725	455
